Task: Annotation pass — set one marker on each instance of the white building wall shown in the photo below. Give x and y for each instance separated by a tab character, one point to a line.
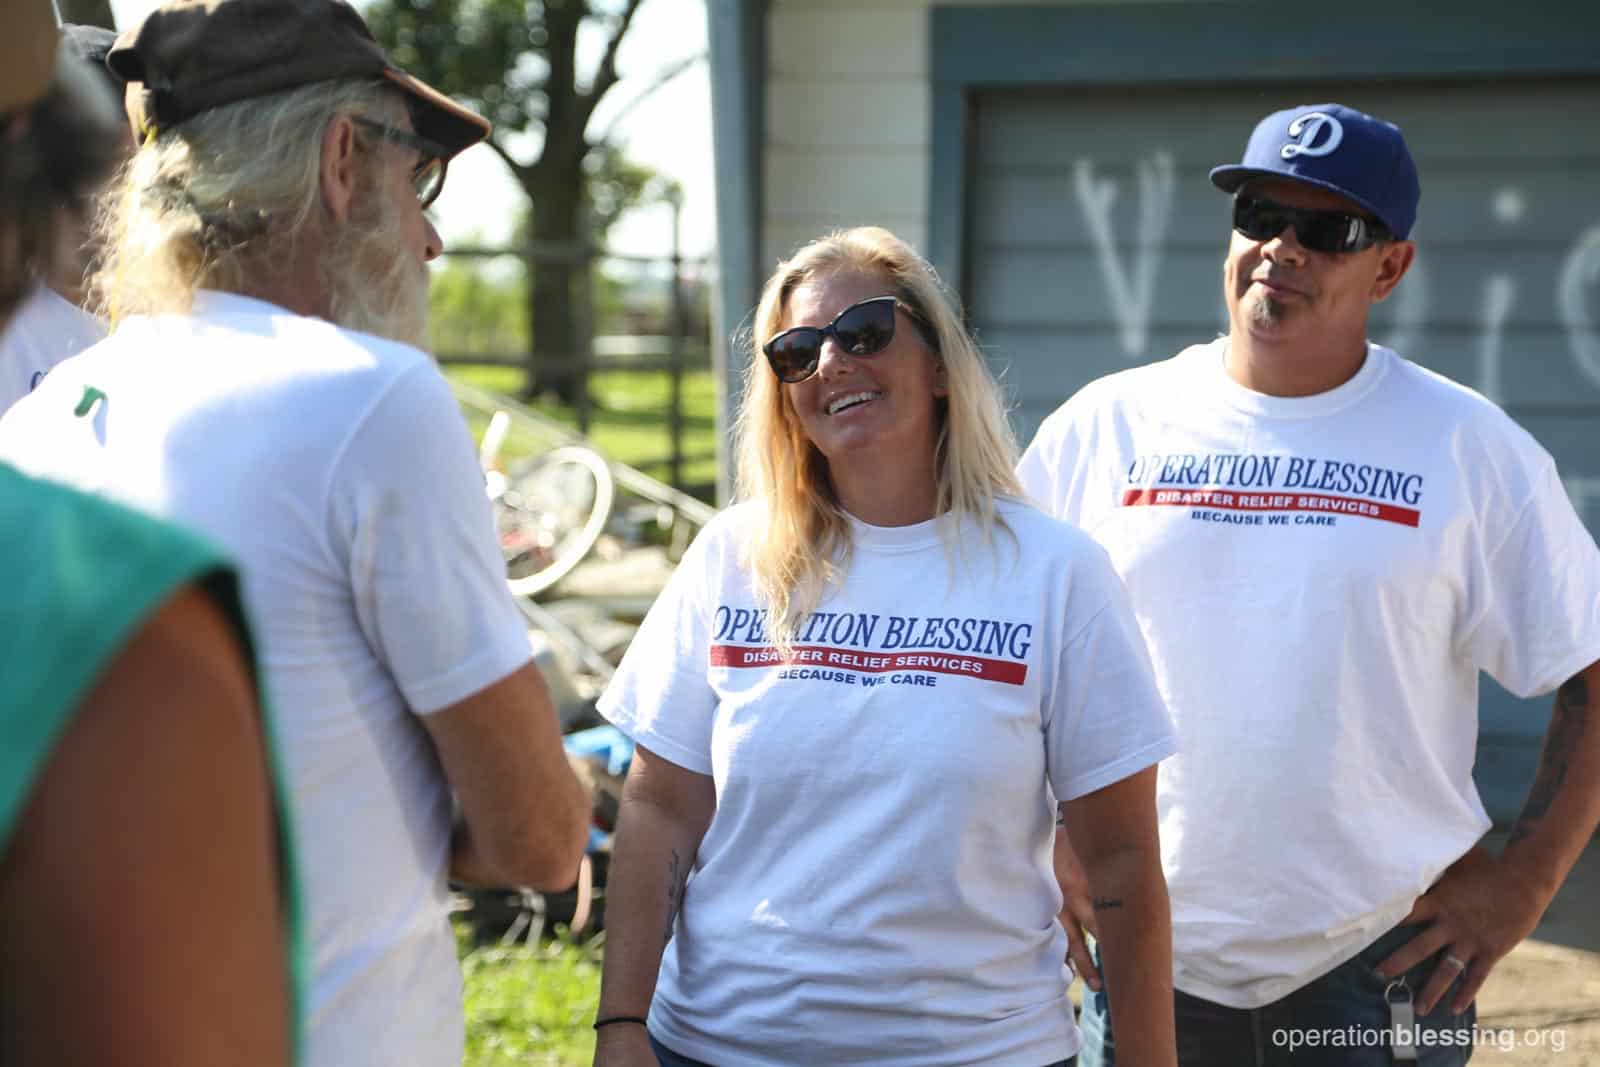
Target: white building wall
848	110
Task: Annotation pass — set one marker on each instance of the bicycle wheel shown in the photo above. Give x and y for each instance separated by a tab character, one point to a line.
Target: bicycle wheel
550	514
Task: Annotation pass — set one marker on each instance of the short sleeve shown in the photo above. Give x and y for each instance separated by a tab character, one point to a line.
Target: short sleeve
1052	470
1104	719
661	695
1039	468
1538	599
410	512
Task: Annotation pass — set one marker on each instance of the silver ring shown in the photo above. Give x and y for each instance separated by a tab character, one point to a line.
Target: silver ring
1455	961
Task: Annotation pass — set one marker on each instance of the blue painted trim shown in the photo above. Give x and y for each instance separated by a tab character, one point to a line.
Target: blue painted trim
949	162
1159	43
736	31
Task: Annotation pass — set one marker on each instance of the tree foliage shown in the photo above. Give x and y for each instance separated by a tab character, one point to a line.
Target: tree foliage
476	312
489	52
517	62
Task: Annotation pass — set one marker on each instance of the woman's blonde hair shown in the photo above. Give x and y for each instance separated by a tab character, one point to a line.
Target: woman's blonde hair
208	203
801	540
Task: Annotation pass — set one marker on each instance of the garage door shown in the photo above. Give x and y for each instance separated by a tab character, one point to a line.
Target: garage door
1095	243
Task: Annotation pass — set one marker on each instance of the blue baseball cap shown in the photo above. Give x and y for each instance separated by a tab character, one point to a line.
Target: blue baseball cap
1338	148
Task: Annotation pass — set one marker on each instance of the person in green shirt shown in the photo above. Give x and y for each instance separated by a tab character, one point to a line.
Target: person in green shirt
148	913
146	883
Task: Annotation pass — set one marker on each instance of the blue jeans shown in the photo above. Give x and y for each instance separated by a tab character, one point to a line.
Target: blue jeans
1345	1010
668	1058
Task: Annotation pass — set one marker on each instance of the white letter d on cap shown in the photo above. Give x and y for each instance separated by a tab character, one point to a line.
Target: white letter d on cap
1305	129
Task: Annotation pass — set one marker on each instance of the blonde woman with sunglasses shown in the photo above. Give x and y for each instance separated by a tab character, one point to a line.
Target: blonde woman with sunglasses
856	707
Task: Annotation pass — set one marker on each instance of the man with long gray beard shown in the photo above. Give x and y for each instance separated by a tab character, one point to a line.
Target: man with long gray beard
265	264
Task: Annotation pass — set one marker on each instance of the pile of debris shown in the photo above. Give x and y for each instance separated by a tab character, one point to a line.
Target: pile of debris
589	544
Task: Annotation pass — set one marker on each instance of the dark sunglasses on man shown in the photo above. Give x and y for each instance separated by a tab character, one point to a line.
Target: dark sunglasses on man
863	330
1261	219
427	177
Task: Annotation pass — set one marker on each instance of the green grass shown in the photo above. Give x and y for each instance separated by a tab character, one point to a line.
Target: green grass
530	1005
628	416
534	1006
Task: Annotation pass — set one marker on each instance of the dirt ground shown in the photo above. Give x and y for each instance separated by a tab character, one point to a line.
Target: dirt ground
1541	1006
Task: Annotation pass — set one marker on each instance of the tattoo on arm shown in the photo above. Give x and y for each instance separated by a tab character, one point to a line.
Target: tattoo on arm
1567	725
676	876
1107	903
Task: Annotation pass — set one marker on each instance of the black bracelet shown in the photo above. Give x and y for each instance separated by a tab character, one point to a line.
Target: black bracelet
608	1020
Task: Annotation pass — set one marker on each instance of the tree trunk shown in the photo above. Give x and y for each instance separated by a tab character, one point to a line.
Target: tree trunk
556	364
87	12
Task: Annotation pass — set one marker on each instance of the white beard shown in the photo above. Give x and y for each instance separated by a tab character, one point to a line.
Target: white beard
376	284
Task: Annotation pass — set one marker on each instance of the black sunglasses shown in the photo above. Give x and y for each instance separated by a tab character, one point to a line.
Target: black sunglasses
427	177
863	329
1261	219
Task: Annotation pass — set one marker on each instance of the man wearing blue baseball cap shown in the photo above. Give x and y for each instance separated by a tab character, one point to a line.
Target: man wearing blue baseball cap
1325	544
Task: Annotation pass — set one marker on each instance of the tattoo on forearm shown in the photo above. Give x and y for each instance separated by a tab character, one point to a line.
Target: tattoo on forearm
676	876
1107	903
1567	725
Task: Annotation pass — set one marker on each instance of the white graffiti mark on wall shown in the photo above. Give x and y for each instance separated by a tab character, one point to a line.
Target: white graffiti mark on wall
1499	293
1579	273
1508	205
1131	299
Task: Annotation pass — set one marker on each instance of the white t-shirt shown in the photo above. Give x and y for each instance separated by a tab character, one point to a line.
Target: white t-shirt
45	330
336	469
875	886
1320	579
